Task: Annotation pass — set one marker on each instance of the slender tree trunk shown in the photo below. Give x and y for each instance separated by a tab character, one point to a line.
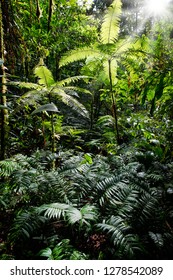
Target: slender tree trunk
50	14
4	112
114	106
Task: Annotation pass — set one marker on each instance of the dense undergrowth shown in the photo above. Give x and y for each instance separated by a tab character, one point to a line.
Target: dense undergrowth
88	207
86	161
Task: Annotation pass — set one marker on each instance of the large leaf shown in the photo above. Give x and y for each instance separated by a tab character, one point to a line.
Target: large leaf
71	102
110	26
79	54
54	210
69	80
44	75
50	107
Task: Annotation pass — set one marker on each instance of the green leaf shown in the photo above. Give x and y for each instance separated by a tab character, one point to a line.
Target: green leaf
71	102
50	107
47	252
44	75
110	26
79	54
2	107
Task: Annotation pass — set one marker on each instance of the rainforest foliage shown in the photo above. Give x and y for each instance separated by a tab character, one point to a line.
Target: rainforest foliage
86	130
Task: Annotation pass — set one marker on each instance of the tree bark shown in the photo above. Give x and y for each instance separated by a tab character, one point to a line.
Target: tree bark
3	101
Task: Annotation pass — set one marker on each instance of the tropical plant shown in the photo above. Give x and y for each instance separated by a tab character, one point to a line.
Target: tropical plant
102	58
114	207
49	90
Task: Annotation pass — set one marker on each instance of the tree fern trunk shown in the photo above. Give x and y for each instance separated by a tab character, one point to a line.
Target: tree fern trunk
4	112
114	107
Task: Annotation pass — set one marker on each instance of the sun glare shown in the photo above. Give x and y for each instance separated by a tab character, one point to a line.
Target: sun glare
157	7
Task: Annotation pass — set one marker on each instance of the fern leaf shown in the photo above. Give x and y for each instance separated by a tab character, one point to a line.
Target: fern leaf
79	54
25	85
110	26
69	80
44	75
71	102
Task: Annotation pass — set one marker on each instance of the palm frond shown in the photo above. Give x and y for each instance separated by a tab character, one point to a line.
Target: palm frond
7	167
157	238
54	210
119	231
110	26
25	225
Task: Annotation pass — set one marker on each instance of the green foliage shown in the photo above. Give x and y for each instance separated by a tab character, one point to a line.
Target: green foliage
121	198
63	251
105	189
110	26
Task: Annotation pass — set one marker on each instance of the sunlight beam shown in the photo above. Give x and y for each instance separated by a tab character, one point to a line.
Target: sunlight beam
156	7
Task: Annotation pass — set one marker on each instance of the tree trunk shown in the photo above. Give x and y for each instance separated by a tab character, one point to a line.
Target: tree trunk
114	107
4	112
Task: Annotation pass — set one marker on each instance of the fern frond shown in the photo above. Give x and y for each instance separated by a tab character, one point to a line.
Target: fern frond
79	54
111	68
148	204
26	85
69	80
44	75
121	47
33	95
110	26
71	102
